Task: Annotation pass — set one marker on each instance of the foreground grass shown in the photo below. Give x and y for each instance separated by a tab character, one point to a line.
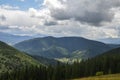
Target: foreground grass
104	77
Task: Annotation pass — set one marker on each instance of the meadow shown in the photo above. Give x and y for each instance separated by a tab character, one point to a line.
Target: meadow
103	77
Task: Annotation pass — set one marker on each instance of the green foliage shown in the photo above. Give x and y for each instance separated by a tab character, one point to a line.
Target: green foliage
99	73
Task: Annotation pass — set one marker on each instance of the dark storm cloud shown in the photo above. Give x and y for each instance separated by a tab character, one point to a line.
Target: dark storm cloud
95	18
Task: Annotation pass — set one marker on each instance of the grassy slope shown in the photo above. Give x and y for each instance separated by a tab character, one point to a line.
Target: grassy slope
103	77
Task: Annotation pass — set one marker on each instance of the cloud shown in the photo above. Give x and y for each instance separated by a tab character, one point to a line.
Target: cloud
4	27
91	12
3	6
43	15
2	18
22	0
50	23
18	18
65	18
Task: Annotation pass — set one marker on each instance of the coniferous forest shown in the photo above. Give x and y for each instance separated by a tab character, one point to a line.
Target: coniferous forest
108	63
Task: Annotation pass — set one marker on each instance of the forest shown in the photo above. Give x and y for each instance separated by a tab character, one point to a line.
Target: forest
100	65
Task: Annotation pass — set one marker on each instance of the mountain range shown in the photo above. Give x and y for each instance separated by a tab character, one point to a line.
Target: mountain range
42	52
67	48
13	60
64	49
110	40
12	39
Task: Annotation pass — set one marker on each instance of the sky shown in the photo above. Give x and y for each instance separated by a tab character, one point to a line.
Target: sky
93	19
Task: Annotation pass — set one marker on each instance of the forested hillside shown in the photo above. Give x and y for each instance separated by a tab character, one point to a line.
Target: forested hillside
107	63
12	59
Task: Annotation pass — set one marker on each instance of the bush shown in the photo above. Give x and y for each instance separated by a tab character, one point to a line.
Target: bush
99	73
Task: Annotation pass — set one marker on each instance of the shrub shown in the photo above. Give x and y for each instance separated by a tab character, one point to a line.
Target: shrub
99	73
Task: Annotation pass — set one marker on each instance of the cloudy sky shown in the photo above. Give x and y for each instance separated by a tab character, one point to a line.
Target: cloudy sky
92	19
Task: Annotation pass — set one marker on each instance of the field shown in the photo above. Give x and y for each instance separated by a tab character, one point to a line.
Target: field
104	77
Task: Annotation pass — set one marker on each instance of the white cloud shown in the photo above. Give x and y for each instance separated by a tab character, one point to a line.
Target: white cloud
18	17
22	0
61	18
8	7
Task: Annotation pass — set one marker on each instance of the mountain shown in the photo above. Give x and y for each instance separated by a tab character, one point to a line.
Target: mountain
12	39
114	45
113	53
110	40
64	47
12	59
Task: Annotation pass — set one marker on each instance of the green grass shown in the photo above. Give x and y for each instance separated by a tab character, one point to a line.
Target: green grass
103	77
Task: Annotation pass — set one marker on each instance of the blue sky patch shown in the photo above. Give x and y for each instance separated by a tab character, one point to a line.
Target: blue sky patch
23	5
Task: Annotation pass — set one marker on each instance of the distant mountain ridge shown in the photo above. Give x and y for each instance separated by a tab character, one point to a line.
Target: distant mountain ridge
12	39
110	40
64	47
